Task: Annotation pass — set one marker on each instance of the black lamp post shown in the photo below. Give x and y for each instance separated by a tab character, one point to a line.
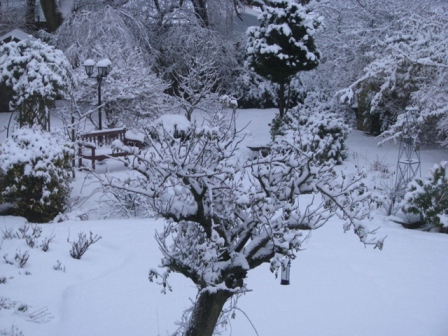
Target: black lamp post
286	268
103	67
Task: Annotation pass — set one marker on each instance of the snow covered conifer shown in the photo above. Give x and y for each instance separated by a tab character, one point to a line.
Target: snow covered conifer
428	198
38	74
323	131
283	45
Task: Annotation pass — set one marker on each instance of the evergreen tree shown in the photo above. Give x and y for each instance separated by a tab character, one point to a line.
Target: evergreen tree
283	45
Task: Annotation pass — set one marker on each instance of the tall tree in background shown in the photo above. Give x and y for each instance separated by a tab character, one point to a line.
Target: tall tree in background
132	93
283	45
197	62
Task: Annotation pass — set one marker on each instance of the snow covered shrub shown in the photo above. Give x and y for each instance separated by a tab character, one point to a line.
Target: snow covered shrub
254	91
29	236
45	245
321	131
37	73
429	198
80	246
8	233
13	331
22	257
123	203
59	267
37	173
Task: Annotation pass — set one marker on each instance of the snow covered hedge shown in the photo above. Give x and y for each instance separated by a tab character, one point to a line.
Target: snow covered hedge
36	169
429	198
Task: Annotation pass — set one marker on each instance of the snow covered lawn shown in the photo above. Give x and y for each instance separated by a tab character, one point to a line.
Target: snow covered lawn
338	287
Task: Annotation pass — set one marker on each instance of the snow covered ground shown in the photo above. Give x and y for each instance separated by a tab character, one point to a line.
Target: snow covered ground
338	287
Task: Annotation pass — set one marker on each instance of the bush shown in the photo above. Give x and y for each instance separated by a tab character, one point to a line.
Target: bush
321	130
429	198
37	74
36	170
80	246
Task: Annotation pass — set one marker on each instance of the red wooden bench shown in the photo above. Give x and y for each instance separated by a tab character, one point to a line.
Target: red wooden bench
104	144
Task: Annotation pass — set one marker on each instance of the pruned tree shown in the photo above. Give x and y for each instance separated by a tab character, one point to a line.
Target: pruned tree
283	45
227	214
37	73
199	86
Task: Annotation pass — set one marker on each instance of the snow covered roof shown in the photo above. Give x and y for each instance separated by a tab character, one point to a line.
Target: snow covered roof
15	35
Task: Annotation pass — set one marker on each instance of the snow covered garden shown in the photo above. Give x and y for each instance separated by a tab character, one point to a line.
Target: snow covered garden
292	180
337	285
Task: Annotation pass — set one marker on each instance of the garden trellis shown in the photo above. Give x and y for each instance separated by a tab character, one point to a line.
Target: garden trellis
408	165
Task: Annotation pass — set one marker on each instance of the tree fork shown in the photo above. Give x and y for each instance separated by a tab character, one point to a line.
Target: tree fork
206	312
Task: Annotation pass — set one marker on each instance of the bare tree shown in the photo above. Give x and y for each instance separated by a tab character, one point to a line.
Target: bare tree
197	62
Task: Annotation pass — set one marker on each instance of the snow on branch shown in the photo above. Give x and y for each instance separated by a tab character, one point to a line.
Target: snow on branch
227	214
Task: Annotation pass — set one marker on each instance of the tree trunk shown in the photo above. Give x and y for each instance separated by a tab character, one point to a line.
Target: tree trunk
52	14
206	312
281	100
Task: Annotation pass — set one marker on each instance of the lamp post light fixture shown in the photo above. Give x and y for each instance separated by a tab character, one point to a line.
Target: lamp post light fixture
286	268
104	67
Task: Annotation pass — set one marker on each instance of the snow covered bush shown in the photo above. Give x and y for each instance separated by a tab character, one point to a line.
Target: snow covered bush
80	246
322	130
37	173
37	73
13	331
254	91
429	198
227	214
